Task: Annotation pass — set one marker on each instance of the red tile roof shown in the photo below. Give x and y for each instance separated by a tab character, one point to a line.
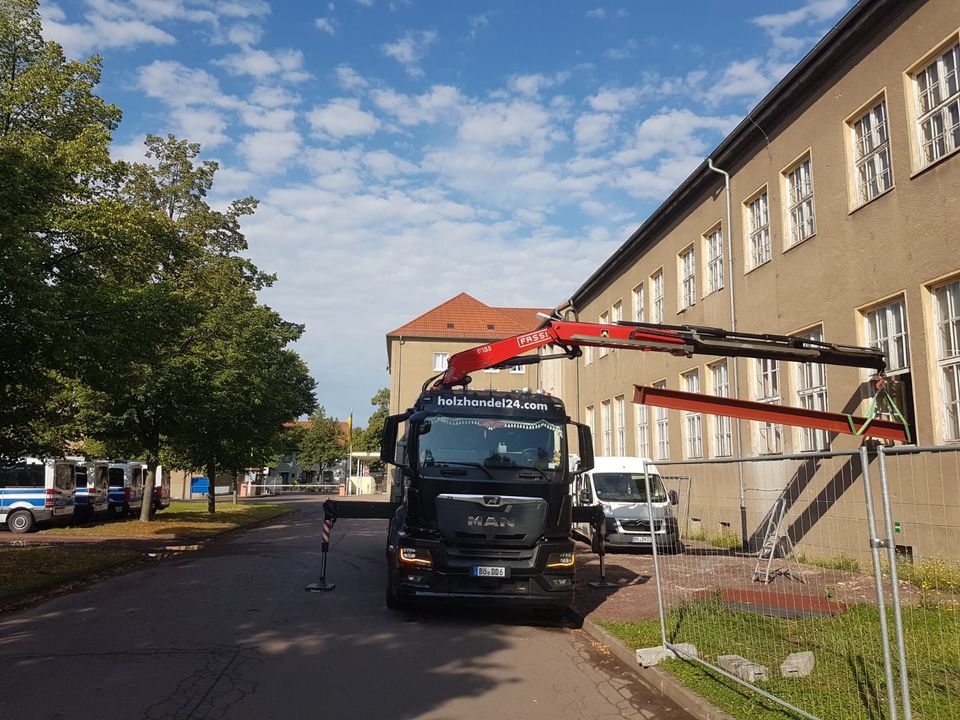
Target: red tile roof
464	316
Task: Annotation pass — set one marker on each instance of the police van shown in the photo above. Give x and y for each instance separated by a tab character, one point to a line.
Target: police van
34	491
619	486
91	498
126	481
161	488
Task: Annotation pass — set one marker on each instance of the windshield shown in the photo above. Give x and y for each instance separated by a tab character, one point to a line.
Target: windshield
491	444
627	487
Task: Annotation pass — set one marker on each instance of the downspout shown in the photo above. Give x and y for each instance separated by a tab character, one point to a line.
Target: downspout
733	328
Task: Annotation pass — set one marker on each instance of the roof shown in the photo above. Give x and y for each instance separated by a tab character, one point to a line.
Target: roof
465	317
865	25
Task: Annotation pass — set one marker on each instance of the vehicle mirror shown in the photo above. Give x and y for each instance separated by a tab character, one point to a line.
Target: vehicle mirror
585	442
674	498
585	498
388	440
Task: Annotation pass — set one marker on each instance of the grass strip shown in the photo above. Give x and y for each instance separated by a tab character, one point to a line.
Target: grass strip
848	680
180	521
32	569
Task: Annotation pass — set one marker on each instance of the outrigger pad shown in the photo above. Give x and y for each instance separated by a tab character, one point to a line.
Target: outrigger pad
592	514
370	509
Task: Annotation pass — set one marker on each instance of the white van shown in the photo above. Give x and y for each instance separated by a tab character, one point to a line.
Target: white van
36	491
617	484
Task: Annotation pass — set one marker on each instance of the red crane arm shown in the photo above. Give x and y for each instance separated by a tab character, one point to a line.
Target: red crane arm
684	340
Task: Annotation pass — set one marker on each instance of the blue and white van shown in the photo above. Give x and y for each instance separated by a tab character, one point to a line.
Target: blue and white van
126	481
34	491
92	489
619	486
161	489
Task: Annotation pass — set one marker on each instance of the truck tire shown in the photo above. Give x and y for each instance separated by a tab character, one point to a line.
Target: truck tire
21	521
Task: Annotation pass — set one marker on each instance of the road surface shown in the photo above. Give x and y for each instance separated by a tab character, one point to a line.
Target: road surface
230	633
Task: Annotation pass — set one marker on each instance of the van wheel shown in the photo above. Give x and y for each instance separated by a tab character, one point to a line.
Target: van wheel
21	521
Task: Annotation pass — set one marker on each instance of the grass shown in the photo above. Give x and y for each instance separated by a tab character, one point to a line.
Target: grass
835	562
180	521
928	575
31	569
725	539
848	680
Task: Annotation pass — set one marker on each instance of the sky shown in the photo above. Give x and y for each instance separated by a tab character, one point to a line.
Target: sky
404	151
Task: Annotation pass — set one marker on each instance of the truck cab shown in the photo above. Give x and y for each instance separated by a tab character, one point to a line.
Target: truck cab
618	485
485	513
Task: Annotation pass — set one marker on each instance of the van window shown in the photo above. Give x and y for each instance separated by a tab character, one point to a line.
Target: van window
116	477
63	477
102	477
627	487
22	475
81	476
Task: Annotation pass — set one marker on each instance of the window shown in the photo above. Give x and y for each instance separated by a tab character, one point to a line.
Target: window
887	330
491	370
620	411
639	311
714	260
947	309
616	314
692	422
587	355
871	154
812	395
604	320
516	369
606	429
661	422
768	391
688	278
440	361
758	222
643	431
937	90
589	420
800	214
656	296
722	433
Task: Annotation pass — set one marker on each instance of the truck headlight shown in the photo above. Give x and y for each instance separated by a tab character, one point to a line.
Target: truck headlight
561	559
415	556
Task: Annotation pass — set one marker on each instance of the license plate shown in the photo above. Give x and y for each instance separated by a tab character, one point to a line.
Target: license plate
640	539
483	571
61	510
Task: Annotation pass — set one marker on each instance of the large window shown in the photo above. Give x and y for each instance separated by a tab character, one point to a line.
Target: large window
688	278
656	296
758	224
641	415
589	419
692	421
871	153
887	330
722	432
768	391
639	309
604	320
606	427
661	428
947	308
812	395
620	412
440	361
714	242
799	182
937	90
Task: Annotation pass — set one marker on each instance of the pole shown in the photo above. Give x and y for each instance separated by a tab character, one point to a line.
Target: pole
329	518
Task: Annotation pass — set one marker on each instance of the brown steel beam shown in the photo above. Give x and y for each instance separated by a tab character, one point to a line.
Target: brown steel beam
765	412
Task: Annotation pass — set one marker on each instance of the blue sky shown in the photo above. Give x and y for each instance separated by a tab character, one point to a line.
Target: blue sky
404	151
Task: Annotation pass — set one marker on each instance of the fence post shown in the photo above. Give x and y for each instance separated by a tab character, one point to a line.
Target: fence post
656	558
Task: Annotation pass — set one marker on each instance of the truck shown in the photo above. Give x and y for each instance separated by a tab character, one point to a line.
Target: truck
484	510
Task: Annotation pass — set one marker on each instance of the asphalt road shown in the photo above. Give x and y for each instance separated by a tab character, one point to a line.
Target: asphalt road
229	632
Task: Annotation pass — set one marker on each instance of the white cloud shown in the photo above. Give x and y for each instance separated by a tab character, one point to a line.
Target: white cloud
384	164
593	130
531	85
349	78
272	97
260	64
243	8
625	52
749	78
269	151
415	110
324	25
276	120
244	34
477	23
597	13
342	118
177	85
410	49
505	124
98	32
614	99
674	133
206	126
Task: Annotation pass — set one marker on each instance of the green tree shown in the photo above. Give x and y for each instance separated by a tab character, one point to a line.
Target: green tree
323	443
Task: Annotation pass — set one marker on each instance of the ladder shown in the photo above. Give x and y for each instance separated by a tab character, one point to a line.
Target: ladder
774	539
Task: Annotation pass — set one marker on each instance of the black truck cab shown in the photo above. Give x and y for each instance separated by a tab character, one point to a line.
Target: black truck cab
486	507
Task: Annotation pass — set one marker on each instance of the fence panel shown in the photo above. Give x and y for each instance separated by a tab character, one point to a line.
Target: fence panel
775	585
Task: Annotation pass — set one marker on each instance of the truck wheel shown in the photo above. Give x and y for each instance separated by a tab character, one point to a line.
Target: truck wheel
21	521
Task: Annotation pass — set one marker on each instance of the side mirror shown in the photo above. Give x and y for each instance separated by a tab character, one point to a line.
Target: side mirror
585	441
674	498
388	440
585	498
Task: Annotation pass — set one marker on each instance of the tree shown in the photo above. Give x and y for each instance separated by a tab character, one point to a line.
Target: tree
368	438
324	442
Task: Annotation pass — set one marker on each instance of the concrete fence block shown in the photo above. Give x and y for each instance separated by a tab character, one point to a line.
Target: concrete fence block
798	664
744	669
648	657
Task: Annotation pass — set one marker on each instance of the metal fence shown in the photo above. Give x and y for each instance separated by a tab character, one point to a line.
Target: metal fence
826	583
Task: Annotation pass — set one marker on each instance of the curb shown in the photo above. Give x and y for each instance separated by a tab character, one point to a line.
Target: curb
655	678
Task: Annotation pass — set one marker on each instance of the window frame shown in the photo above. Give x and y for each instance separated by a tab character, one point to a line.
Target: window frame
919	115
884	148
661	428
641	417
765	429
947	365
882	342
692	421
603	351
793	203
758	236
443	363
606	427
687	278
639	308
620	426
657	302
713	264
721	425
810	388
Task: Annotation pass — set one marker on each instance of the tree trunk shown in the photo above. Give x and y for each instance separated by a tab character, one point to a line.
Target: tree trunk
149	488
236	488
211	486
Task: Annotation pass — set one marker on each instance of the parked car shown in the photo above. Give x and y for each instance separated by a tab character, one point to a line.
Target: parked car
34	491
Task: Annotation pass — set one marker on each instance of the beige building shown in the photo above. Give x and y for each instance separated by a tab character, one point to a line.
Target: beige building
419	350
830	212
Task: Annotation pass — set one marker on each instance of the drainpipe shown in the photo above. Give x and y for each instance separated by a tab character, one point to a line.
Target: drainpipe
733	327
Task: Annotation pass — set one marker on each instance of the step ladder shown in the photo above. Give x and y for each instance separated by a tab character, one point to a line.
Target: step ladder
776	539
